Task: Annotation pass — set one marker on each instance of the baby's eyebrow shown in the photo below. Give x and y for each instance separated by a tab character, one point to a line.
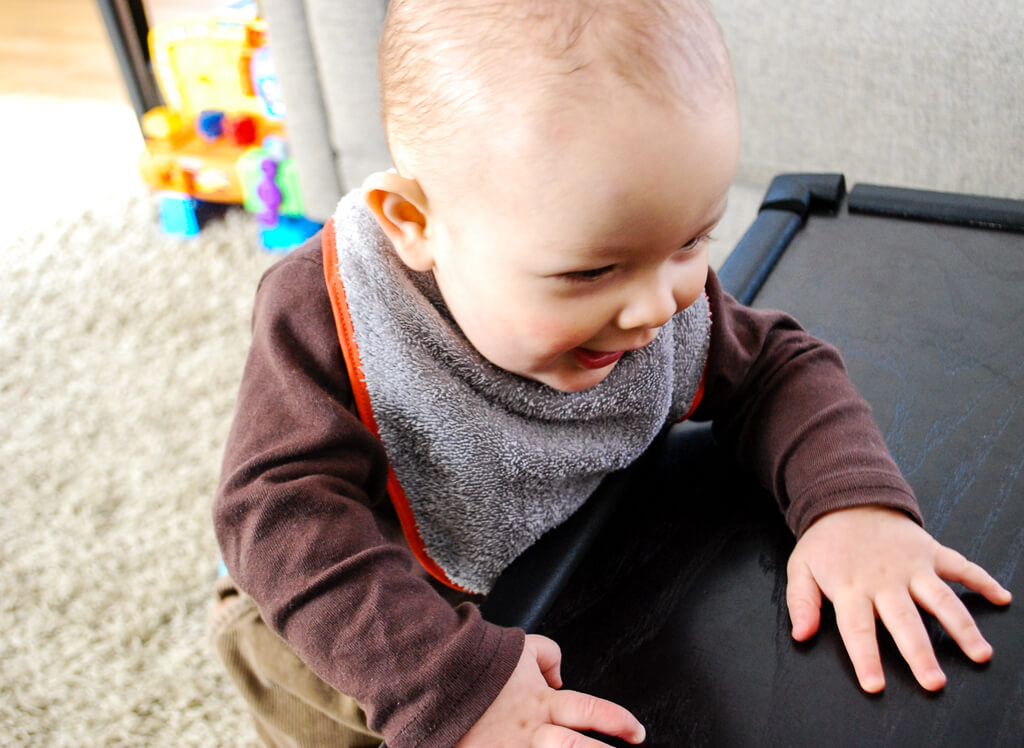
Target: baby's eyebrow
716	220
601	252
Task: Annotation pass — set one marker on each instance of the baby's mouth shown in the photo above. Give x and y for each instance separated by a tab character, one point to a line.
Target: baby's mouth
589	359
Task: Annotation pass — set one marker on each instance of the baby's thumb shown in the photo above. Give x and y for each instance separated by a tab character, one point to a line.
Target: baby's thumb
803	598
549	658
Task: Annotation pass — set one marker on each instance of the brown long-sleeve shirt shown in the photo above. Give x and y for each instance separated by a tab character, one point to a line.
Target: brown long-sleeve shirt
306	528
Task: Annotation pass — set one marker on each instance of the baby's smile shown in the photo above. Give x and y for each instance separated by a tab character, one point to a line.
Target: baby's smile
589	359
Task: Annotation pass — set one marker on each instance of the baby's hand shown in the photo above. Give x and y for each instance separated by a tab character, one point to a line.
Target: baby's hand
872	560
529	711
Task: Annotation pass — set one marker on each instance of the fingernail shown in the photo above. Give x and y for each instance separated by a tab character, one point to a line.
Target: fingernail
641	736
936	678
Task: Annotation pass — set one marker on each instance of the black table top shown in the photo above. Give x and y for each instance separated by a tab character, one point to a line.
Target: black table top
678	612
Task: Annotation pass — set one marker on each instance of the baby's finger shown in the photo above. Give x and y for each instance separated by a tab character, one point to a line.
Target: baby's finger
935	596
549	658
953	567
901	617
803	599
581	711
856	622
556	736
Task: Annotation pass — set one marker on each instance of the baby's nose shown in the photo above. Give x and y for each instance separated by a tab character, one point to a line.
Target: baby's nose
652	306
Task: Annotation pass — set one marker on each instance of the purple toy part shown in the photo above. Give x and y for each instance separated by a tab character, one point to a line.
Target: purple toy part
269	193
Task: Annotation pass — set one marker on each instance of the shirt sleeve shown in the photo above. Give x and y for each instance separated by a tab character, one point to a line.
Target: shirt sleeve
781	401
298	518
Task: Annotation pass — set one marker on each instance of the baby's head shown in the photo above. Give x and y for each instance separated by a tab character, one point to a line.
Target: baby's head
559	167
449	68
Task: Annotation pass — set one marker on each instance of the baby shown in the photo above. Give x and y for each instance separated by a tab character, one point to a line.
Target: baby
481	335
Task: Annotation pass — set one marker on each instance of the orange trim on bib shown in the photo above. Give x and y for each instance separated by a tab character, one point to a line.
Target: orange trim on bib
703	375
696	398
354	365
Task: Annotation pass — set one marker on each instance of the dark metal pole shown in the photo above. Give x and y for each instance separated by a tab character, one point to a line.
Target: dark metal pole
128	30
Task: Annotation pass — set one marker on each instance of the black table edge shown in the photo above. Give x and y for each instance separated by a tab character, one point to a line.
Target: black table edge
526	590
979	211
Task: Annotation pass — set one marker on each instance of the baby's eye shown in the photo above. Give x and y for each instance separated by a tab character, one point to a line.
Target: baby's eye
588	276
695	242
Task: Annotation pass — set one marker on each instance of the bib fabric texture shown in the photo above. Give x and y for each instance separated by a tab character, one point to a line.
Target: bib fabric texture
484	461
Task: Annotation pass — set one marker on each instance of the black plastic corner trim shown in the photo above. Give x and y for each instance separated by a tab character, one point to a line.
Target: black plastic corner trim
939	207
747	267
805	193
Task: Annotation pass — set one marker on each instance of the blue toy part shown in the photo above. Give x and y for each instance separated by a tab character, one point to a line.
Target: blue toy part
276	147
178	215
183	215
289	233
210	124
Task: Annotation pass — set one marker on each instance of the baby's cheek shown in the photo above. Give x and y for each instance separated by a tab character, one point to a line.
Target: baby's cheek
550	335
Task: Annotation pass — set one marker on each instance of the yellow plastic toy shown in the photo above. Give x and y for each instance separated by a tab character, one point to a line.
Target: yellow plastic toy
205	64
213	114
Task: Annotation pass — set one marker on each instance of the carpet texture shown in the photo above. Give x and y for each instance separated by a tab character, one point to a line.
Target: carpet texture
120	355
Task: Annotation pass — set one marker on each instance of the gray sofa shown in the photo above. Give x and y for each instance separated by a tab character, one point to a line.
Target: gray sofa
919	93
325	55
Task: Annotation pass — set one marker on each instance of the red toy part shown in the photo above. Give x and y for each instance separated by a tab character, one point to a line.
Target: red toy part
241	129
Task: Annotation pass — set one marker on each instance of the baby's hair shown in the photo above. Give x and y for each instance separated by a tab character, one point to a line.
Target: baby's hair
441	60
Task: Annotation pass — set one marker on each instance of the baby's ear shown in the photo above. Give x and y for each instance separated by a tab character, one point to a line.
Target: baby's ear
400	207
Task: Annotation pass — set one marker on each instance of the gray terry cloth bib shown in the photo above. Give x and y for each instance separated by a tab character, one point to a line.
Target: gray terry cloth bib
490	461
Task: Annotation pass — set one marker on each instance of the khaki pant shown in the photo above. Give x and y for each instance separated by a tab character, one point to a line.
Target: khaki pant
291	706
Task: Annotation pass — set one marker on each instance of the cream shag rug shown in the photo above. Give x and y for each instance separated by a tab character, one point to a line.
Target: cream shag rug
120	356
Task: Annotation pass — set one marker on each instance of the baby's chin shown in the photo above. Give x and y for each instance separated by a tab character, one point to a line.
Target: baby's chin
573	380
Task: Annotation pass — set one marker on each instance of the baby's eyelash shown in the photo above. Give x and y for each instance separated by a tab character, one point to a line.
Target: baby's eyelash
696	241
595	274
588	276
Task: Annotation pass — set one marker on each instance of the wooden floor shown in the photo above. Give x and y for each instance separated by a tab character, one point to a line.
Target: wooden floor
61	48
